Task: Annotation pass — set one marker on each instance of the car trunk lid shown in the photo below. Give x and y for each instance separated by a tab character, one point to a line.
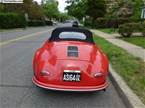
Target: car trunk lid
74	51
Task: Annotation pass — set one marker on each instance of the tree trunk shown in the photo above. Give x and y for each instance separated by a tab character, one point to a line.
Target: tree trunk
93	23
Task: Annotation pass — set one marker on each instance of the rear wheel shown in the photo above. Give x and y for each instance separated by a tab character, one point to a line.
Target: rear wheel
104	90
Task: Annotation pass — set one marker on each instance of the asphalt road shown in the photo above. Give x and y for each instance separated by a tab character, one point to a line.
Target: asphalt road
16	87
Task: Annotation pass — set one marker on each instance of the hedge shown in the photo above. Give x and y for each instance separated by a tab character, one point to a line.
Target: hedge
109	22
126	30
36	23
39	23
12	20
143	29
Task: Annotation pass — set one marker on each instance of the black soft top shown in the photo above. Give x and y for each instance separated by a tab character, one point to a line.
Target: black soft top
56	32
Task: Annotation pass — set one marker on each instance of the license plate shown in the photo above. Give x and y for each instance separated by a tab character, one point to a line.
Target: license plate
70	75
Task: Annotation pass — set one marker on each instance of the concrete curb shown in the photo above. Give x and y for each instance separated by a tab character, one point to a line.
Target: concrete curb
129	98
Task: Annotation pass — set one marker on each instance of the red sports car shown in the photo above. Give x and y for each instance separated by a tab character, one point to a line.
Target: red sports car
70	61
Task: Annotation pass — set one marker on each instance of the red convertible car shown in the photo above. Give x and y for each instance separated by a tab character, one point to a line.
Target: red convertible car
70	61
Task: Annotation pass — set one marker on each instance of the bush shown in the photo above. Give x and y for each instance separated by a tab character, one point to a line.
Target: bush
143	30
36	23
111	22
101	23
12	20
123	21
127	29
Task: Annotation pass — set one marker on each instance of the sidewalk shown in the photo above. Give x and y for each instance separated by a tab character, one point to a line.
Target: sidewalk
118	35
133	49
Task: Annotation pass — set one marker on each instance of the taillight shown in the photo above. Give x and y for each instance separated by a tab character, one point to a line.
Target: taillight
44	73
99	74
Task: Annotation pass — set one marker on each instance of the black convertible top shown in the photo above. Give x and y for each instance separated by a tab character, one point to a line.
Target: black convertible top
56	32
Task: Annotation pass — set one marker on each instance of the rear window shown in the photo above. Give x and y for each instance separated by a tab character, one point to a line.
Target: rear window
72	35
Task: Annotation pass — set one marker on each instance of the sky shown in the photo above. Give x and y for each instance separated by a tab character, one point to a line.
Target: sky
61	6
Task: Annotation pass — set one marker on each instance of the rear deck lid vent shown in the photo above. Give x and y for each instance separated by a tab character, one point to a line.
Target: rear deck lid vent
72	51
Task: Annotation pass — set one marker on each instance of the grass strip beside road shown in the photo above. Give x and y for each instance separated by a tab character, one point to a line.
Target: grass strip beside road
138	40
131	69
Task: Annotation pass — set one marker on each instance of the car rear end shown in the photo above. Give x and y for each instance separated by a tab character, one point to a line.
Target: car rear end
78	66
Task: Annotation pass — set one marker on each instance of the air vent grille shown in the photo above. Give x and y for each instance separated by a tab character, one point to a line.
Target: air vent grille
72	51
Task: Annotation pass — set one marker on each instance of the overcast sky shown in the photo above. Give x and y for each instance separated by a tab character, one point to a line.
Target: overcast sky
62	4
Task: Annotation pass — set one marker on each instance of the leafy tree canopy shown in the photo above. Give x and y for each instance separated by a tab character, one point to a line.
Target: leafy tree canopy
124	8
30	7
96	8
50	8
77	8
83	8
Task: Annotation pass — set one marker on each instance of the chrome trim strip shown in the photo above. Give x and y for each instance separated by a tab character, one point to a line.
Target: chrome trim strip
71	89
72	71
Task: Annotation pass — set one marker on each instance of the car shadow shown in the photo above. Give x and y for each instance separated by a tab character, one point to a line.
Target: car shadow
76	93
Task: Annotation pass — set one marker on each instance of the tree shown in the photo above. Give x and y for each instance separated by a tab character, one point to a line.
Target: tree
35	12
77	8
1	7
124	8
64	16
50	8
95	9
83	8
30	7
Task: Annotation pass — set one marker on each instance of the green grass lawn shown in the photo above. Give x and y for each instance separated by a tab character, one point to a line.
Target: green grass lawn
109	30
131	69
139	41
